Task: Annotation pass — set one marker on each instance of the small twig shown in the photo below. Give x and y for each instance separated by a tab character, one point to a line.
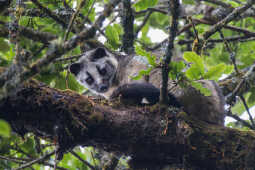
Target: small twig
225	42
68	58
158	45
43	37
56	155
92	155
232	54
19	161
114	19
92	6
198	45
232	83
237	118
24	160
146	18
151	9
18	149
235	13
49	13
194	27
82	160
66	79
65	4
86	18
217	2
249	36
241	30
202	21
235	92
34	161
229	39
39	51
82	3
188	35
248	110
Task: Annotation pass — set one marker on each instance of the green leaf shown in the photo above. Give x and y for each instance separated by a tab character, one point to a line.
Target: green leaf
159	20
112	36
251	98
118	28
177	66
73	84
239	107
175	69
188	2
193	73
201	89
215	72
150	58
29	146
141	74
234	4
195	59
144	38
11	53
4	46
5	129
229	69
145	30
144	4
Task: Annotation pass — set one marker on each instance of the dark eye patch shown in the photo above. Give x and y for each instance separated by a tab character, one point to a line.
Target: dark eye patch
89	79
98	53
75	68
102	70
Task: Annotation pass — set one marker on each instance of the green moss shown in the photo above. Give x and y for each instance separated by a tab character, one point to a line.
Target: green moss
95	118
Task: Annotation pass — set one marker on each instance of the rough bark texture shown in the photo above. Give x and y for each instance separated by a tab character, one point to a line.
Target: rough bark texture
152	135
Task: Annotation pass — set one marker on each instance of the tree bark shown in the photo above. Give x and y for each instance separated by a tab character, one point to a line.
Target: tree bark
152	135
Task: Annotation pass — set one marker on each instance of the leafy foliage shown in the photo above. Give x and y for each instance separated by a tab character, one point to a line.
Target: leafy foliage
144	4
113	34
5	129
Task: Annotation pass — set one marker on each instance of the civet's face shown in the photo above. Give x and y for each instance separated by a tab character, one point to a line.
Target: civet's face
95	70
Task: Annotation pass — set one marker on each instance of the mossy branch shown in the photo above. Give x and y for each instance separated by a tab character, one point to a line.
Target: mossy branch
74	120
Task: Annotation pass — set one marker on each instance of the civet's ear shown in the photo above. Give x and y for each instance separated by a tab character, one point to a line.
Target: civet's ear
75	68
98	53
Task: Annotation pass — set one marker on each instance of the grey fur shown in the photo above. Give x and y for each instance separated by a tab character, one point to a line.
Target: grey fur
87	71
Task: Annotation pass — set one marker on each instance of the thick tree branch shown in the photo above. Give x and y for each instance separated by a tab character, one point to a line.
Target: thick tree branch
76	120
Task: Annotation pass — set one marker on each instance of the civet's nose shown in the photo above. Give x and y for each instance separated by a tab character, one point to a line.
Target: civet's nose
102	87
